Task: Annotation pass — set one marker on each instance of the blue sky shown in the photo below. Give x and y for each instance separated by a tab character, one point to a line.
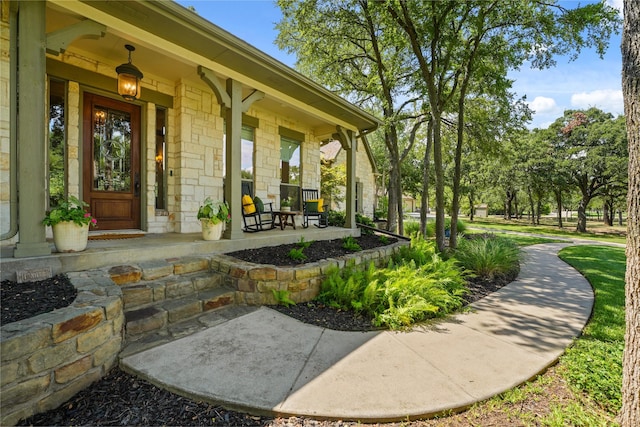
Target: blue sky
587	82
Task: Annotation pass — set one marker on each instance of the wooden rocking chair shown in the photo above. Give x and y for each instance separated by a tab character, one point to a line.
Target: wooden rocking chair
312	208
257	215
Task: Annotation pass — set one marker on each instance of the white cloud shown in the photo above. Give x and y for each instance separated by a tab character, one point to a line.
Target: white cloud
606	99
542	104
617	4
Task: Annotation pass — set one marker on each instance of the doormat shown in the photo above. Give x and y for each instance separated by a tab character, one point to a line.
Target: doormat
115	236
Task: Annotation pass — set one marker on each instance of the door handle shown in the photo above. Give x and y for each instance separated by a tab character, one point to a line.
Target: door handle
136	185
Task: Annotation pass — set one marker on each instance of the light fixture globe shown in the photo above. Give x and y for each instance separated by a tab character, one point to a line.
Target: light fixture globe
129	78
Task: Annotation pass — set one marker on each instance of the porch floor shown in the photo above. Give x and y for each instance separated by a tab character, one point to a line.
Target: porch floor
105	253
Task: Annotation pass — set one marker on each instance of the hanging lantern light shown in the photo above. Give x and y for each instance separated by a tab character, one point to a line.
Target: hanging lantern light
129	78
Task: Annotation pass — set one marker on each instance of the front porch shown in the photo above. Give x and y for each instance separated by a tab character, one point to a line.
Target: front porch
149	247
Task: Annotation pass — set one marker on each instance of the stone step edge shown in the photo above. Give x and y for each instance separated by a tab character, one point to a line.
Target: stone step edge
157	269
146	293
140	321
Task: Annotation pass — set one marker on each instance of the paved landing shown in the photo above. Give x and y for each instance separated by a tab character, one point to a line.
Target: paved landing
267	363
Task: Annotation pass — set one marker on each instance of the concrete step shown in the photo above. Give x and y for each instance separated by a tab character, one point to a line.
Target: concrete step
177	330
161	314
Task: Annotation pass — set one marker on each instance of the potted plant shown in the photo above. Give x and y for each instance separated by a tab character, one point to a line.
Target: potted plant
70	223
213	215
285	205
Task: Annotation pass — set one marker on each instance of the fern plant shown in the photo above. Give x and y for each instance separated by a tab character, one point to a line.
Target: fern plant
282	298
350	244
296	254
417	285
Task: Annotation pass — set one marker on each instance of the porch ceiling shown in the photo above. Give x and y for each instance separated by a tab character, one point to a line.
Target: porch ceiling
188	41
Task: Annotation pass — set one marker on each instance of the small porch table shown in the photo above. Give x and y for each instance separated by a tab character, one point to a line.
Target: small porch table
284	218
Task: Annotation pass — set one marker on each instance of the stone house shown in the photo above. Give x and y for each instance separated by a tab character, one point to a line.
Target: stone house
210	116
334	155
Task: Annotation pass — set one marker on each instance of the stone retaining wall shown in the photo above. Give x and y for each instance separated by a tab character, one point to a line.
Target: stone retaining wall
254	283
49	358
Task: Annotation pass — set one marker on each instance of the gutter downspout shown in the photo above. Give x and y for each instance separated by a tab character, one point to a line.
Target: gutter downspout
13	146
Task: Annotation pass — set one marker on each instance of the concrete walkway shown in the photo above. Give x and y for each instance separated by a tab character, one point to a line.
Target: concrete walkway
267	363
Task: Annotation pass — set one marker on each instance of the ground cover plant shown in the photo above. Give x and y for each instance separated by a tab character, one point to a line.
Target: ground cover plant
488	256
417	285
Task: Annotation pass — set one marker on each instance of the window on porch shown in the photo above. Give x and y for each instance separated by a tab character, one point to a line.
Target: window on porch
247	158
57	137
290	171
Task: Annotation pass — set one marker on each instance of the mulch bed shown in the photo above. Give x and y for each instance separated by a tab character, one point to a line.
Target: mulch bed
24	300
123	399
317	250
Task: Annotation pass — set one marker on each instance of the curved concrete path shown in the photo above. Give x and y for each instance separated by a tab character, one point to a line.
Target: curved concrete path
267	363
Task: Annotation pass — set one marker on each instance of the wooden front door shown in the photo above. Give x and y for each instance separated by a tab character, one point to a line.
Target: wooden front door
111	162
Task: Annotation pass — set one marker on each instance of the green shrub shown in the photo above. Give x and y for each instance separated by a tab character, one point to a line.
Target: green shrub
336	218
431	226
282	298
350	244
303	244
296	254
417	285
365	220
411	228
488	256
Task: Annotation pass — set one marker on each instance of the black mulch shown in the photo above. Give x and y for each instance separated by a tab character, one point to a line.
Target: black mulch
121	399
318	250
24	300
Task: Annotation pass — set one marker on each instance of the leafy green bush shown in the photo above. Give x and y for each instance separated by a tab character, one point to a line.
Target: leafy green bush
365	220
488	256
417	285
296	254
336	218
431	227
350	244
282	298
411	228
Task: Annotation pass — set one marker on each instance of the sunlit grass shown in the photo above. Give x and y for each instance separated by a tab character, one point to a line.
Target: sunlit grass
594	364
596	231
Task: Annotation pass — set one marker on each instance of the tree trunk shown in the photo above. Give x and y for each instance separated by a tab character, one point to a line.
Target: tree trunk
630	412
392	208
558	195
605	215
439	170
472	202
531	207
424	208
582	214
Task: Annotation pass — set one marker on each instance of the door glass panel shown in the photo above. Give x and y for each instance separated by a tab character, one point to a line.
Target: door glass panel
111	150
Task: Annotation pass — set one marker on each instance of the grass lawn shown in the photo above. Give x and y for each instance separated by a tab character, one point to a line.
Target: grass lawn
596	231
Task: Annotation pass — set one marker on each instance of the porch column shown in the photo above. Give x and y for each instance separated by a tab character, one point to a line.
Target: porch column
233	179
348	141
230	99
32	135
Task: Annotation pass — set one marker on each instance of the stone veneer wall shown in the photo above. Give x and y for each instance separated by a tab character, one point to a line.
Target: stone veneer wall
254	283
49	358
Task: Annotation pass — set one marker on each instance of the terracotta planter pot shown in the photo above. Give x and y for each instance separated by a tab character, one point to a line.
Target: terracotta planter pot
211	231
70	237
